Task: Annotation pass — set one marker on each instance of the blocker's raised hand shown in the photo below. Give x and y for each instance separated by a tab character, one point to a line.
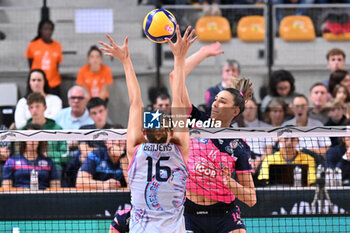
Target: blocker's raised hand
113	50
182	44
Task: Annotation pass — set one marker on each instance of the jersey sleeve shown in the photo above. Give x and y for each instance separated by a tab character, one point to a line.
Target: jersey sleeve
197	114
54	172
243	162
109	76
80	77
89	164
7	172
29	54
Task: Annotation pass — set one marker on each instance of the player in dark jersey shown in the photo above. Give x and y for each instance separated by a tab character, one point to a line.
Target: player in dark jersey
157	201
211	191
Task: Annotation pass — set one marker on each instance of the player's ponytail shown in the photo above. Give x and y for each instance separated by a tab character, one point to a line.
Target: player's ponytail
241	90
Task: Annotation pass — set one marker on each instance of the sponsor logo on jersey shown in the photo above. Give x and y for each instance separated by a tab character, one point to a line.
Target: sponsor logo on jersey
205	170
43	163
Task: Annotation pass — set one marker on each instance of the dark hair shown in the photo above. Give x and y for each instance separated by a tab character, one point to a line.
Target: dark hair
43	145
318	84
95	102
281	76
154	93
46	82
35	98
241	93
334	52
300	96
335	78
40	26
337	87
163	96
94	48
272	104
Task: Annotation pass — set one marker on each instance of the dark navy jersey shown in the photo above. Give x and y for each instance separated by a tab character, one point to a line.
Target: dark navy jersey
101	167
17	168
237	148
121	220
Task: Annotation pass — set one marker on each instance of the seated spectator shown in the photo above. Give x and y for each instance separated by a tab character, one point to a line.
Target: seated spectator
339	77
38	83
281	85
335	61
336	113
275	113
98	111
95	76
104	168
341	93
288	154
339	157
230	69
4	152
32	155
318	98
163	103
250	115
300	107
76	115
57	150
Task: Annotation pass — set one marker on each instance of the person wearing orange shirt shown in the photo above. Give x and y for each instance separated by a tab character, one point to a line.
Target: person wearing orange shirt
95	76
45	53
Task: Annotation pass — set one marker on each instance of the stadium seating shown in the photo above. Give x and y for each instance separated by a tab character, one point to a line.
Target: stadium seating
297	28
336	37
213	28
251	28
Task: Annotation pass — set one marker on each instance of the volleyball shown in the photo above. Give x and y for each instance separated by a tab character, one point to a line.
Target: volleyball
159	24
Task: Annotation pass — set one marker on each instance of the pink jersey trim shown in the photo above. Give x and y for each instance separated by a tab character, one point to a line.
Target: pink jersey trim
207	97
244	171
115	230
133	156
124	211
17	167
189	112
183	158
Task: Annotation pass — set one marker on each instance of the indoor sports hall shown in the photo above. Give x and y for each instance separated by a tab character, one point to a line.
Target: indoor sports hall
281	164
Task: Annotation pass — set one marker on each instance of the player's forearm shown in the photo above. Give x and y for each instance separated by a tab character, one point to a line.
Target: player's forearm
132	84
179	82
194	60
243	193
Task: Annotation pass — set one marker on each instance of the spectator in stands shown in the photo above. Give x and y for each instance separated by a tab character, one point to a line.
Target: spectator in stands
45	53
98	111
341	92
4	152
281	85
76	115
336	113
37	83
211	8
275	113
336	59
95	76
163	103
104	168
230	69
318	98
250	115
300	107
288	154
339	157
57	150
32	155
339	77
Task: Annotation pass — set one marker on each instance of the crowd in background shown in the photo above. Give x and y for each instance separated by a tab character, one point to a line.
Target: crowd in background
103	165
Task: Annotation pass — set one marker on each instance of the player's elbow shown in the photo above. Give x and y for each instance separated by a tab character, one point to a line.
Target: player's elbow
251	200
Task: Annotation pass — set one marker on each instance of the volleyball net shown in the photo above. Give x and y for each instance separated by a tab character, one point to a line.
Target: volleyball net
75	181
